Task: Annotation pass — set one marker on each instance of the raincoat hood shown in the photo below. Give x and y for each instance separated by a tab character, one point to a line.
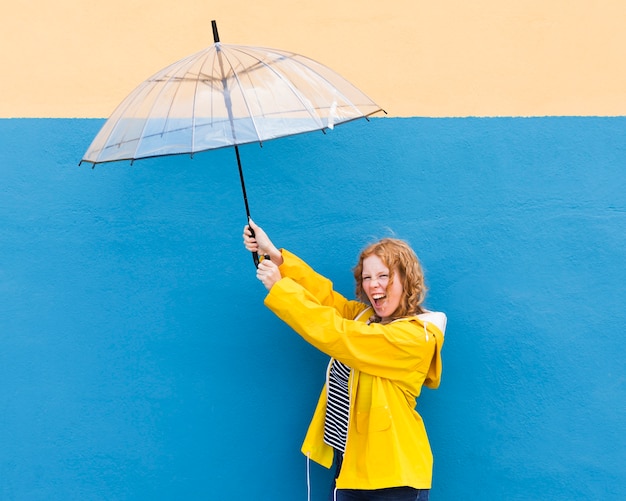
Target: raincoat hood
438	320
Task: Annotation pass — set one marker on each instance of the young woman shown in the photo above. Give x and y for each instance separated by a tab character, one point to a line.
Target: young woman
383	348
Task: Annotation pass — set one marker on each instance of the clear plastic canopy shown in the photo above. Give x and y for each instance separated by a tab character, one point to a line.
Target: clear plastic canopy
227	95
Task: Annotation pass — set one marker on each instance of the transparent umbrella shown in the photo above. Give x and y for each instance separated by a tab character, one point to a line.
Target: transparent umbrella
227	95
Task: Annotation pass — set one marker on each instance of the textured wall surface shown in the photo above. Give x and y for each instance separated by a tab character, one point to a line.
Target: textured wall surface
137	361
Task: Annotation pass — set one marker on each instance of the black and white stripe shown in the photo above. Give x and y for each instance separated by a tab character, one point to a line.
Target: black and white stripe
337	406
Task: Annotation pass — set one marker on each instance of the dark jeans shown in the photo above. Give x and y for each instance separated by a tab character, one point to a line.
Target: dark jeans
389	494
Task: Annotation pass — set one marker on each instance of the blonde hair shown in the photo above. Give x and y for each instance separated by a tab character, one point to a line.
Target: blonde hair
398	256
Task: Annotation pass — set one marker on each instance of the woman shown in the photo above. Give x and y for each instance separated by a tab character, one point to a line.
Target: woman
383	348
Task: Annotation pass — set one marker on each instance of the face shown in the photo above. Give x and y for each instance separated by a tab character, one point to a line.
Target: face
384	297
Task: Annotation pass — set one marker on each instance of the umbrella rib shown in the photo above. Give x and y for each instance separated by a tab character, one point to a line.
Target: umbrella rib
165	80
169	111
236	76
227	98
121	110
193	111
296	60
212	82
296	92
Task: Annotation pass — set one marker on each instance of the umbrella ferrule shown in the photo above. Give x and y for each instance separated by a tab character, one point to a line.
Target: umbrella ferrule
216	36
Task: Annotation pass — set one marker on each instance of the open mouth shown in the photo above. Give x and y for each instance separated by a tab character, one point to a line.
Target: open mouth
378	299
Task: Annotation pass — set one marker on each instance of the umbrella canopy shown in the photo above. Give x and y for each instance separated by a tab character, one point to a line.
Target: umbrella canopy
227	95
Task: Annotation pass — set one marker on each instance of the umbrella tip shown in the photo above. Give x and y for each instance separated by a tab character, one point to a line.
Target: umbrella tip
216	36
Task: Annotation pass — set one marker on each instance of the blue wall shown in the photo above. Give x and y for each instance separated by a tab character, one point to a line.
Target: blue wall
137	361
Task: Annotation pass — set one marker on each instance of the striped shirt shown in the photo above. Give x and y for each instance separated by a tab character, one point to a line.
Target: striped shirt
337	406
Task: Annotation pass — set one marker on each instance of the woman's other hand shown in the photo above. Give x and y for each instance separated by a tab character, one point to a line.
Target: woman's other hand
268	273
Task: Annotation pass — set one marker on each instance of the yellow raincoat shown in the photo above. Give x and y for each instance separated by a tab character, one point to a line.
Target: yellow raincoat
387	444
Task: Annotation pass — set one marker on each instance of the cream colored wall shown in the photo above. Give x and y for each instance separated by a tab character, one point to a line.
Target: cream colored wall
80	58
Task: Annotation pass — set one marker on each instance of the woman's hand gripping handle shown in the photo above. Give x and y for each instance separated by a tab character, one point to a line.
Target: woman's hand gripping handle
256	241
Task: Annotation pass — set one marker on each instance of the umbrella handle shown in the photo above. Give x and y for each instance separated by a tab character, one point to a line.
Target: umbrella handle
255	255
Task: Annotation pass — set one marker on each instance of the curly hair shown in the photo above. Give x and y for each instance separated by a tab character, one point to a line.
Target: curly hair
398	256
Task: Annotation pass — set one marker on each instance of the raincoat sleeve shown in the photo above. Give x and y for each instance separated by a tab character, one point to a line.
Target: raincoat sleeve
398	350
317	285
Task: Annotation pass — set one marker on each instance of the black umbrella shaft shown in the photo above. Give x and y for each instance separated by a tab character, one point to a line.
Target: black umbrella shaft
243	184
255	255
